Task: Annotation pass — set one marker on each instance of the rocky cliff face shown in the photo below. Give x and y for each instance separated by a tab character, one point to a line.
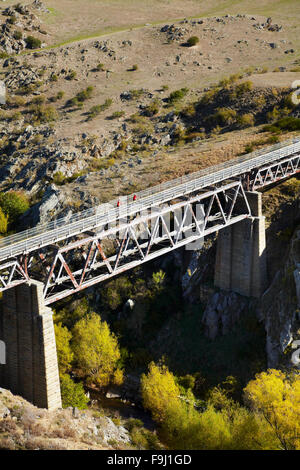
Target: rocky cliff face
24	426
279	308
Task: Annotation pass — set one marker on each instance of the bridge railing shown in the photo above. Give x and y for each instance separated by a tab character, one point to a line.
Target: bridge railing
62	228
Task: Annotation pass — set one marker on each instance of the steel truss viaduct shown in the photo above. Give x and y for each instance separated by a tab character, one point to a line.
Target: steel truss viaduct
69	255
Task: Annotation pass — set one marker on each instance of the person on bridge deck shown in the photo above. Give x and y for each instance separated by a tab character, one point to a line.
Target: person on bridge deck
134	197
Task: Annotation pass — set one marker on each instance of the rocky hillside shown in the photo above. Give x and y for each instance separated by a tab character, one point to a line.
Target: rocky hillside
92	119
23	426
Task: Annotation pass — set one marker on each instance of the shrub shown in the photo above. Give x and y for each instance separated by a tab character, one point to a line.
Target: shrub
72	394
224	117
246	120
12	19
13	204
72	74
32	42
260	101
40	99
134	68
152	109
189	111
59	178
288	123
177	95
116	115
80	97
135	94
193	136
53	77
16	116
100	67
241	89
58	96
192	41
179	135
209	96
15	101
273	115
98	109
18	35
43	113
144	439
85	94
226	82
133	423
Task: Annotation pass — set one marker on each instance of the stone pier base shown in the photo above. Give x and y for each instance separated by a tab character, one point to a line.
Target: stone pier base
241	254
26	328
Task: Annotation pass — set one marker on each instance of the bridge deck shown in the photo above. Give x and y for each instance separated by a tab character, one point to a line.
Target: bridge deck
52	232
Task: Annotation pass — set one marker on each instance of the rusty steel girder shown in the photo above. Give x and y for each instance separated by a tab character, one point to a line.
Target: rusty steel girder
104	241
93	258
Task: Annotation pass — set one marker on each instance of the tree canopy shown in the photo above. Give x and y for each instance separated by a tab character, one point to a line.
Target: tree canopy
96	351
275	395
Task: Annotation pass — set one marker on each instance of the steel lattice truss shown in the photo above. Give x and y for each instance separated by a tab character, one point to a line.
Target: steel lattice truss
85	260
275	172
68	256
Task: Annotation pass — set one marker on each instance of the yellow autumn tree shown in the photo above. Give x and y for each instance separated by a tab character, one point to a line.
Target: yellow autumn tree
222	424
159	390
3	222
63	348
275	395
96	351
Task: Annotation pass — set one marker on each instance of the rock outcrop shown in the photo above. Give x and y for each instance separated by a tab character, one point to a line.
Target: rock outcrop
24	426
222	312
280	307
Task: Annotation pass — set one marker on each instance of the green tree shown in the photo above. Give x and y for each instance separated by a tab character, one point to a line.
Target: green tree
33	43
3	222
13	204
72	393
63	348
96	351
69	316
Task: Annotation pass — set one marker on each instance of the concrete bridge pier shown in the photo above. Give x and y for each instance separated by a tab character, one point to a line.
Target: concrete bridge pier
241	253
26	328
